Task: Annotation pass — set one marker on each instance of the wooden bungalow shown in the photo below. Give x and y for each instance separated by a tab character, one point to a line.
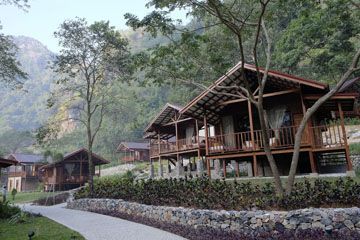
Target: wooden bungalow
25	176
133	151
4	163
70	173
173	136
237	130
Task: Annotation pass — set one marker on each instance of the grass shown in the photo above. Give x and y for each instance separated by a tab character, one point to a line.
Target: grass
354	149
22	197
43	227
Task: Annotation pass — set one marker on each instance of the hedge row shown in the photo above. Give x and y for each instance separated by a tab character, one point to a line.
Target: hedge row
203	193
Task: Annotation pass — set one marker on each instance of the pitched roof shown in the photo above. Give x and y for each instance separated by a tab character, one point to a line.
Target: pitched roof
7	162
209	97
165	115
133	146
348	84
26	158
96	157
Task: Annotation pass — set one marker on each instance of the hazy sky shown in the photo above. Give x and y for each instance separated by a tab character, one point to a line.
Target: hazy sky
45	16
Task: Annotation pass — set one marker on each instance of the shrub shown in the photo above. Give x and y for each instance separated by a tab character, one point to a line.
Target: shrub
205	233
7	210
52	200
218	194
13	193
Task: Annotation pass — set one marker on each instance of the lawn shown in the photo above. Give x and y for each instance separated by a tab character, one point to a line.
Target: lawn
43	227
22	197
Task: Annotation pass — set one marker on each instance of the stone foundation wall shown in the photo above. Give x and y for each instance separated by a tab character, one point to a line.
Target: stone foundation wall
231	220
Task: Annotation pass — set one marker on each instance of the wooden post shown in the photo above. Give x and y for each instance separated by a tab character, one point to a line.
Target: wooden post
197	132
237	169
344	137
206	134
224	166
256	172
99	170
312	164
159	142
176	136
208	167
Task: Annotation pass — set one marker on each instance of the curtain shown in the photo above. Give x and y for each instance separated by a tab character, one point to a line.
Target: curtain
275	117
189	133
228	128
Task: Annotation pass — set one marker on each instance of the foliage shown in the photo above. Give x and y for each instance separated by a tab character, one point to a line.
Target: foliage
13	193
15	141
52	200
354	148
208	194
43	227
6	210
204	233
20	217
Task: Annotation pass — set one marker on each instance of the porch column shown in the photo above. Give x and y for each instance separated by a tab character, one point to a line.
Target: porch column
99	170
176	136
237	169
159	142
206	133
252	139
344	137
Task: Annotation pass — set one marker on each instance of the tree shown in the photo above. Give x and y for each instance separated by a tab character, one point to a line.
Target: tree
15	141
243	19
10	72
93	58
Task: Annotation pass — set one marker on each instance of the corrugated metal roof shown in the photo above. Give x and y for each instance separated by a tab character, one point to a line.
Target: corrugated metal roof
165	115
27	158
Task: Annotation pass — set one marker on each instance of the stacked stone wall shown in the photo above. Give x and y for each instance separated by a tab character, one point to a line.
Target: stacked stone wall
337	218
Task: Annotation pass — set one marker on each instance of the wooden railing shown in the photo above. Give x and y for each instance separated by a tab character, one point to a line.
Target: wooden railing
284	137
127	158
180	145
328	136
23	174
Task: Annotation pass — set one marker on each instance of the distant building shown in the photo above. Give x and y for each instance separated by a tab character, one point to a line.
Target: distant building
133	151
70	173
24	176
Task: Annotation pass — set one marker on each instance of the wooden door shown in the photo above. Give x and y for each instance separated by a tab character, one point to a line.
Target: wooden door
305	137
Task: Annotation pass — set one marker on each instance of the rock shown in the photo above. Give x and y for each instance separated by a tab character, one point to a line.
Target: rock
317	225
326	221
224	226
279	227
294	221
339	225
253	220
349	224
305	225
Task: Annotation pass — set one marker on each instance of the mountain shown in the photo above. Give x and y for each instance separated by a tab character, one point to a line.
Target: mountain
25	109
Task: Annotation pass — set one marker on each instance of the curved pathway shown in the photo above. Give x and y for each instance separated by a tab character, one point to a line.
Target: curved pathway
95	226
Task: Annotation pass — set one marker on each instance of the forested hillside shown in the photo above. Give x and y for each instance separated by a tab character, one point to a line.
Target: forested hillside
22	111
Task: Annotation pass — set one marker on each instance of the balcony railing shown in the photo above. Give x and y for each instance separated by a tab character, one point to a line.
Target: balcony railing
22	174
179	145
127	158
284	137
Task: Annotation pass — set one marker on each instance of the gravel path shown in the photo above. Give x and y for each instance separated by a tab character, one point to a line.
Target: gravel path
95	226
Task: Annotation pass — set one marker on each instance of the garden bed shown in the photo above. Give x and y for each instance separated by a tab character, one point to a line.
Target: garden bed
202	193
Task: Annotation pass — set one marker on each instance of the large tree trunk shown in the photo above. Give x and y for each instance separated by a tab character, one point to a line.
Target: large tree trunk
270	157
91	173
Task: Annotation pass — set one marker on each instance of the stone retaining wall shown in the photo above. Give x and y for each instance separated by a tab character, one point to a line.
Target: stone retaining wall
231	220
